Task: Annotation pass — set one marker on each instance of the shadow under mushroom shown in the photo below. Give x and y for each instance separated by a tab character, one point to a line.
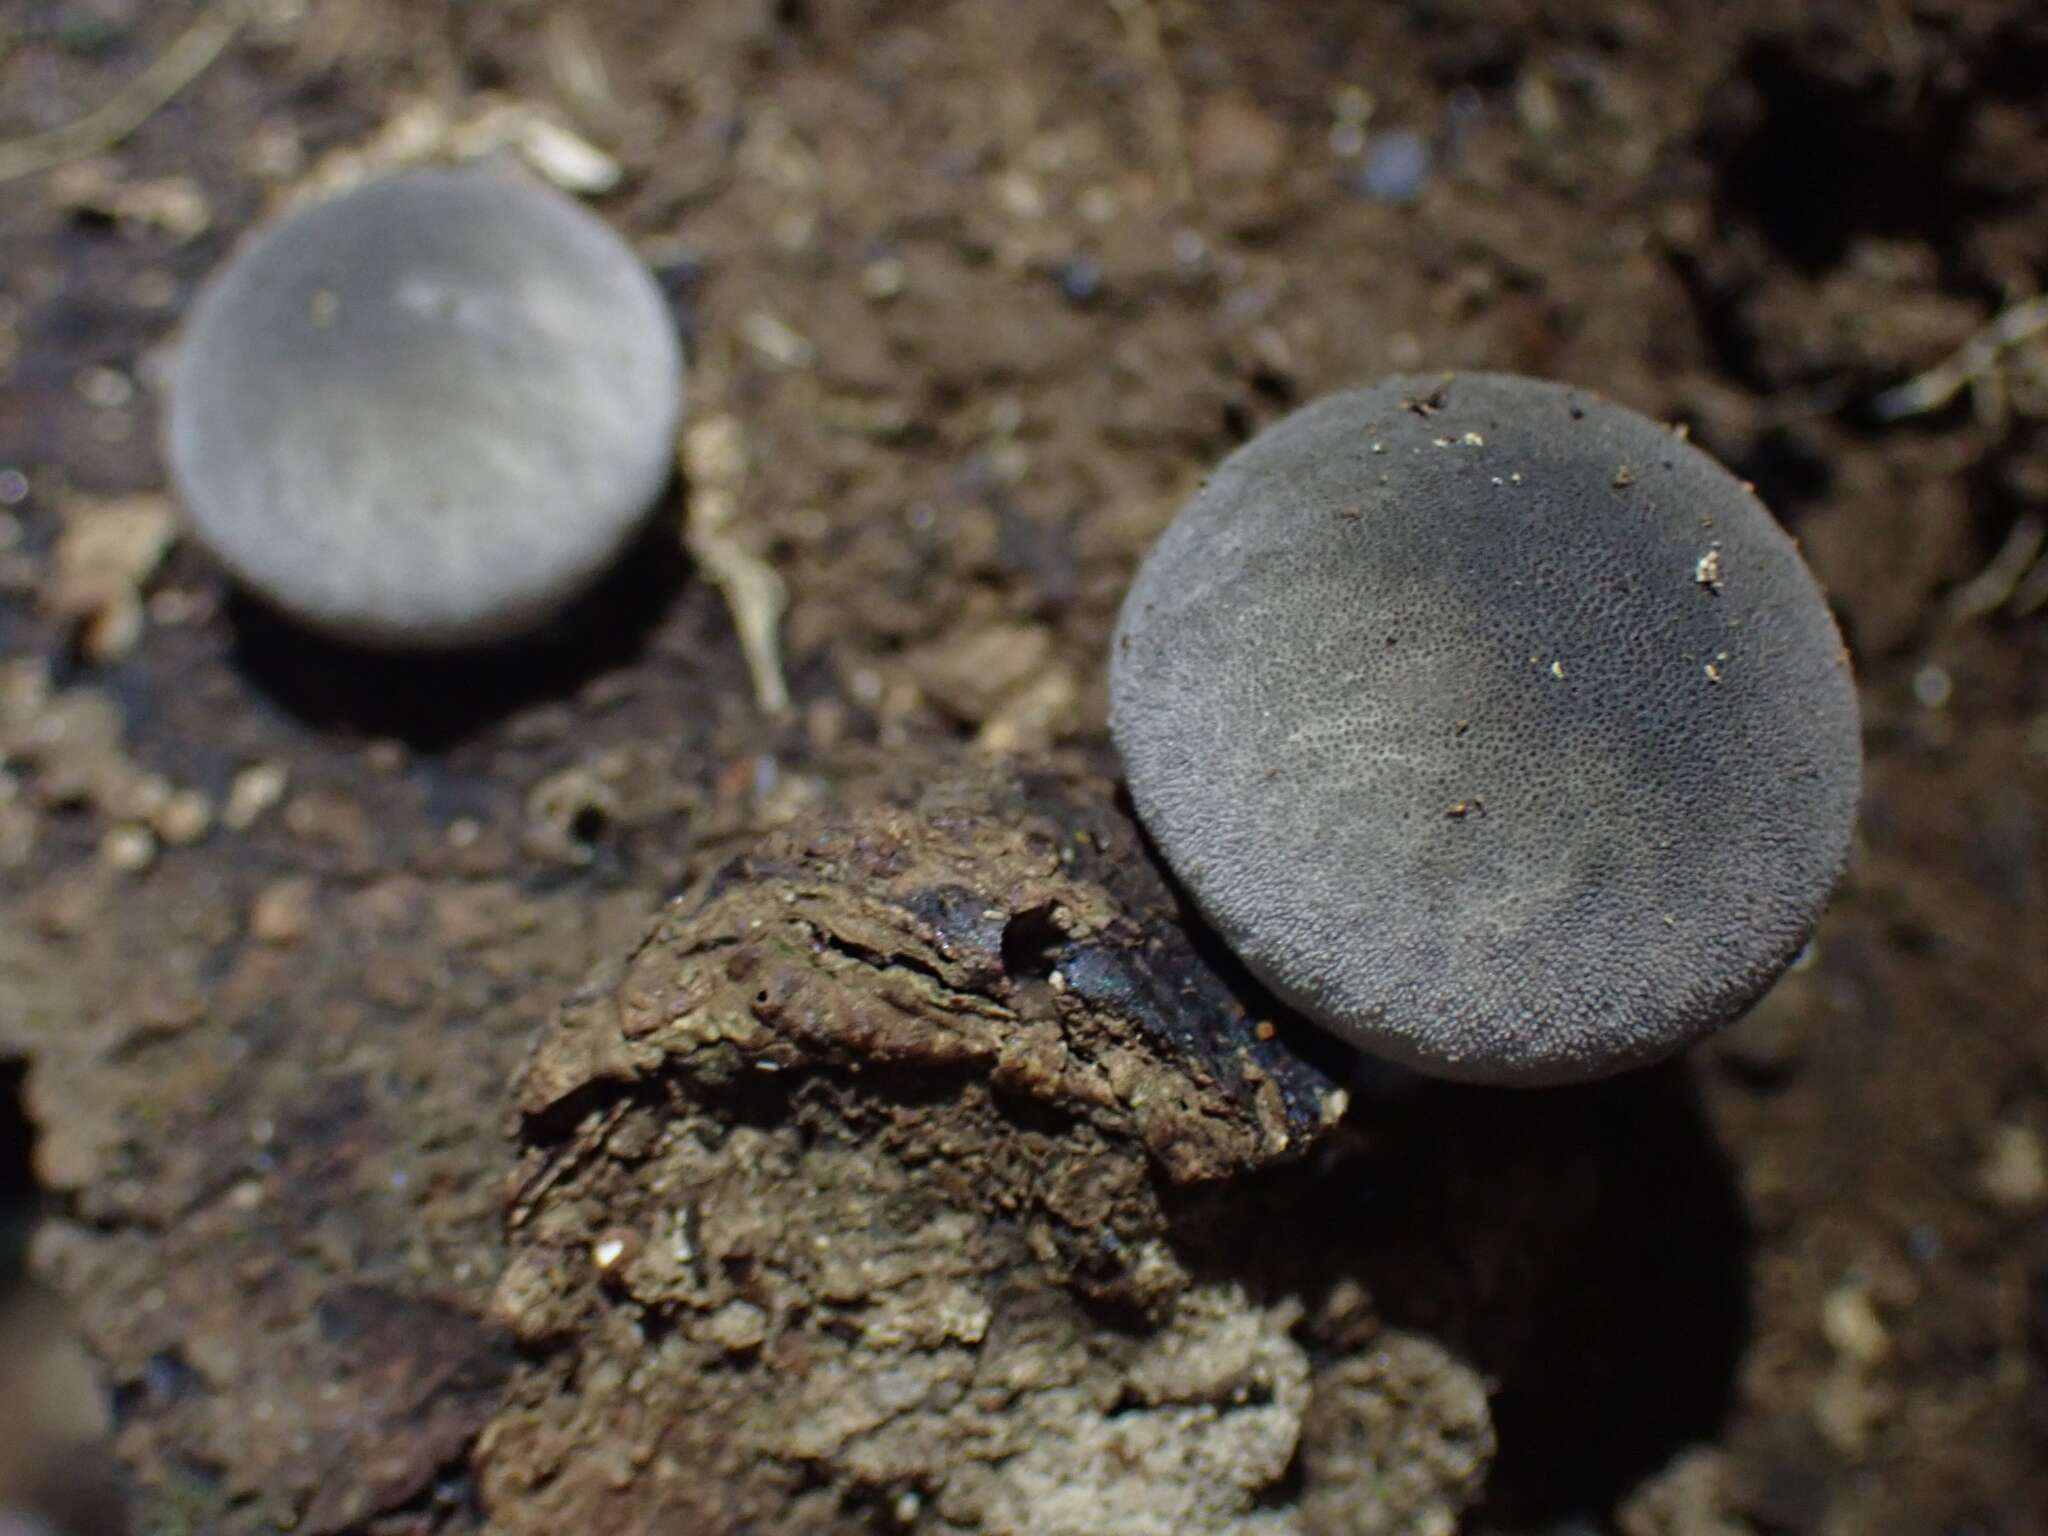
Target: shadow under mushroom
1586	1249
433	701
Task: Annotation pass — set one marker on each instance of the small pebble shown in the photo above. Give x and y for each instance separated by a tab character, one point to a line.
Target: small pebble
129	848
1852	1328
257	789
615	1249
777	341
1080	279
2014	1174
184	818
283	911
1396	168
737	1326
883	279
1848	1408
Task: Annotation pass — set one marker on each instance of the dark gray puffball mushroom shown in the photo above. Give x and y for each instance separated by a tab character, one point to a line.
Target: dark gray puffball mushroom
1496	728
428	412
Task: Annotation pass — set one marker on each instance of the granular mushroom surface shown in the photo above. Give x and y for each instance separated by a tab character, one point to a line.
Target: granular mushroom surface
428	412
1497	728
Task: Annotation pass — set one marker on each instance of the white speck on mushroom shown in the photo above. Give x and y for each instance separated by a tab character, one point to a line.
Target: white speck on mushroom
1708	571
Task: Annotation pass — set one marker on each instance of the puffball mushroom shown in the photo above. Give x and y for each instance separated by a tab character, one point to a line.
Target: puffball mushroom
428	412
1495	727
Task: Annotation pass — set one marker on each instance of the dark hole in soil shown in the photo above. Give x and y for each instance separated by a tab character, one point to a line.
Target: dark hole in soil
432	701
165	1380
588	824
1826	160
17	1174
1788	471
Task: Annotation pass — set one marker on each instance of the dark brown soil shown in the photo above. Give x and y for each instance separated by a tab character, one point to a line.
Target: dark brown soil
981	289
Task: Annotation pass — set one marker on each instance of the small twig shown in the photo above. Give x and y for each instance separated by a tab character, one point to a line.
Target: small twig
1973	361
2031	595
714	461
1990	588
134	104
755	595
577	67
1142	31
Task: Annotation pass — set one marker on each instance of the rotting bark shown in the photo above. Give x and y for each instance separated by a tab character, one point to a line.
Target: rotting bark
906	1178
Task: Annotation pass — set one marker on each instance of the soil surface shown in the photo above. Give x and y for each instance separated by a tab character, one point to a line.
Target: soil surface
548	1091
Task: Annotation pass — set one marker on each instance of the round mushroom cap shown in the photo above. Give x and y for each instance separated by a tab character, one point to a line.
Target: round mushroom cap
428	412
1495	727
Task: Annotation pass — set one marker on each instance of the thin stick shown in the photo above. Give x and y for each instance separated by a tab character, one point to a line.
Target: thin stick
134	104
713	456
754	595
1147	40
1940	384
1989	589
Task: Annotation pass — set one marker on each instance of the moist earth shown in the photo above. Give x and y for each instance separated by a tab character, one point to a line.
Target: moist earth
545	1090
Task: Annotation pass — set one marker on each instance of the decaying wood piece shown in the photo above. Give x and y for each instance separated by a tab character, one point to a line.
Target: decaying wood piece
911	1175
